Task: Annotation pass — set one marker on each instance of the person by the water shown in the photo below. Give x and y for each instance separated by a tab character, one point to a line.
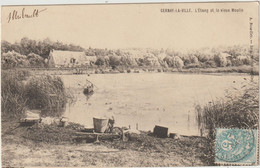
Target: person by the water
110	125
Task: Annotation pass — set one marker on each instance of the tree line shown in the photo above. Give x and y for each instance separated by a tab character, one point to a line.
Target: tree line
33	53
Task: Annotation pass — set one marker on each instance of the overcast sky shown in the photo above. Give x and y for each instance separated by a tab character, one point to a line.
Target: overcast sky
135	25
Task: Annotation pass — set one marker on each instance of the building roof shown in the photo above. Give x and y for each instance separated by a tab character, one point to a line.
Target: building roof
64	57
225	55
91	58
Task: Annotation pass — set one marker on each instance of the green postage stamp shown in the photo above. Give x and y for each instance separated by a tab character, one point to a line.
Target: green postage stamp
236	146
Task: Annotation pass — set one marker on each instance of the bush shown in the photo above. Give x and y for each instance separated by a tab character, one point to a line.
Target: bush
236	62
209	64
194	59
220	59
13	60
178	63
114	61
35	60
169	61
100	61
192	66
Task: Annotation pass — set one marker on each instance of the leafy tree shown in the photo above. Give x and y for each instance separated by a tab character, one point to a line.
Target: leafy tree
114	61
100	61
5	47
42	48
35	60
169	61
210	64
220	59
178	63
13	60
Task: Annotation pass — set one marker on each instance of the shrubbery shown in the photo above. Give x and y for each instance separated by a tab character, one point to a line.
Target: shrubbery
193	59
13	59
42	47
35	60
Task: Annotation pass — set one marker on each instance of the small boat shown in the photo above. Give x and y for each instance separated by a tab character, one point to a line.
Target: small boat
89	89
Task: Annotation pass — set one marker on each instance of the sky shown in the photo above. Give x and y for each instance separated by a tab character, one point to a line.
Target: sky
134	25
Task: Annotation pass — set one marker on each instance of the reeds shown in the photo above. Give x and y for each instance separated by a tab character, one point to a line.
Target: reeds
13	99
19	92
239	109
45	93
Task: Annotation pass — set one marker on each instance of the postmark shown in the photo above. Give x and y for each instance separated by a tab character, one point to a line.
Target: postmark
236	146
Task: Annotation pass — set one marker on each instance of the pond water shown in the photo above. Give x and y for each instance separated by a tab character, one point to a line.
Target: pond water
147	99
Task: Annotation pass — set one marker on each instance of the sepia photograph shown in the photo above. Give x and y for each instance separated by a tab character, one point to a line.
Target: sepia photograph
130	85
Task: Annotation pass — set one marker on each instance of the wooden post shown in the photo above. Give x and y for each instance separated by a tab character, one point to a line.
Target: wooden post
188	120
97	140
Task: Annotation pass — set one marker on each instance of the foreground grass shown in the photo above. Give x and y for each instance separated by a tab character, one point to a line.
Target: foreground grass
21	146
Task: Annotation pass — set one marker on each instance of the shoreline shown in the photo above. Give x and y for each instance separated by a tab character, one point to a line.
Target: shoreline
240	70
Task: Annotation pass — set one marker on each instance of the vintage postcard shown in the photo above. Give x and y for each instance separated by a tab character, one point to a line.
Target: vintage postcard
130	85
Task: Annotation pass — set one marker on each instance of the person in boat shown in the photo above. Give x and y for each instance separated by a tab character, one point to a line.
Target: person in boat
89	88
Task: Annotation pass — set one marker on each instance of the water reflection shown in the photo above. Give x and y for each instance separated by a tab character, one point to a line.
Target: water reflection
88	96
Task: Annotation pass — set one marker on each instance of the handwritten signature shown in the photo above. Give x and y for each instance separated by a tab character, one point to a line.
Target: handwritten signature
16	15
